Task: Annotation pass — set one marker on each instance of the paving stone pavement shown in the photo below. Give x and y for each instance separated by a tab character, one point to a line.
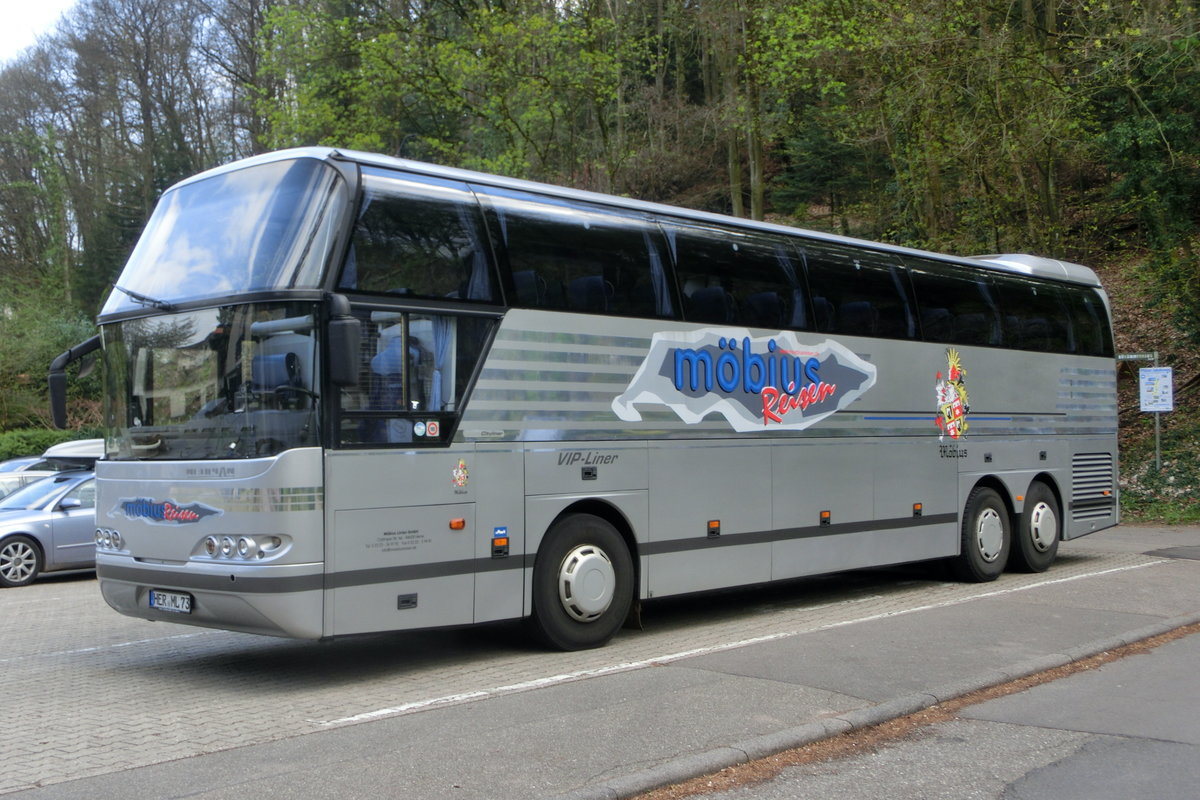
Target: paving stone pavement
91	692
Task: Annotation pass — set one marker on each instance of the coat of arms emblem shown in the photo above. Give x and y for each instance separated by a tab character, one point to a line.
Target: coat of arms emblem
951	391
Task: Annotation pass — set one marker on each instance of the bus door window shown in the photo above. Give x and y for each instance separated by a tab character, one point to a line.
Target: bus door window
413	371
567	255
732	277
859	292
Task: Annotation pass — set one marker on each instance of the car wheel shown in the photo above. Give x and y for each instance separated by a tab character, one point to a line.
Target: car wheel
20	561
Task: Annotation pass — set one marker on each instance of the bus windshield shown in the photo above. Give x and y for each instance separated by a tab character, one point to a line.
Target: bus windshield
229	382
262	227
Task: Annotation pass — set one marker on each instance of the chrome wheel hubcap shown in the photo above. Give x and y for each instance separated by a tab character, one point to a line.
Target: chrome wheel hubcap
1043	527
989	534
587	583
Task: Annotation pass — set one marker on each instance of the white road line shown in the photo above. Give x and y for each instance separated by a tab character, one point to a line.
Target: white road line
102	648
629	666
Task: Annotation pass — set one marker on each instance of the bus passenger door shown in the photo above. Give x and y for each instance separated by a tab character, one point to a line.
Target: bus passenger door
400	540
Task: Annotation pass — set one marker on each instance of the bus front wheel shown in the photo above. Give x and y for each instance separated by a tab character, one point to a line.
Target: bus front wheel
1038	531
582	583
986	537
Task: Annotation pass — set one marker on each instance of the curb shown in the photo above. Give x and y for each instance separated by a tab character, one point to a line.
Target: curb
686	767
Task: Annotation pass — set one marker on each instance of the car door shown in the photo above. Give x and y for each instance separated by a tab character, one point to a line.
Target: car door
74	527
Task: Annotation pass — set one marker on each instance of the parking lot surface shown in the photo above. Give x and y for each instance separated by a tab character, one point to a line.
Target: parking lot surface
101	705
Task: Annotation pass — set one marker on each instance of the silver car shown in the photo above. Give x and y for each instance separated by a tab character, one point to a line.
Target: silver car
48	525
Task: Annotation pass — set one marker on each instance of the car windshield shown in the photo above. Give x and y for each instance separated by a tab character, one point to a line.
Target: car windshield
33	495
263	227
229	382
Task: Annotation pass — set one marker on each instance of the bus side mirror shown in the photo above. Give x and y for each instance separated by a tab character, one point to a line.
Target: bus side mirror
345	342
58	378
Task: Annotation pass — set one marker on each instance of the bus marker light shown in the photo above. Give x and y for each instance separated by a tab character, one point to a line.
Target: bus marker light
714	528
826	517
458	524
918	508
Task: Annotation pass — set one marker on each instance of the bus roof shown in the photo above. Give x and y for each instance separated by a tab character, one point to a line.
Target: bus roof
1019	263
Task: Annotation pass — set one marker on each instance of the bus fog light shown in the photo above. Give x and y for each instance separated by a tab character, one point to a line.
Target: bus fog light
210	546
246	547
99	537
118	541
227	546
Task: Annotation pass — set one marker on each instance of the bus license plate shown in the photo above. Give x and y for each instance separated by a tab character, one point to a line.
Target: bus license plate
171	601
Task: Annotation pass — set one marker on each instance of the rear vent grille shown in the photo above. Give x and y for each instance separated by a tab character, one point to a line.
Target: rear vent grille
1093	494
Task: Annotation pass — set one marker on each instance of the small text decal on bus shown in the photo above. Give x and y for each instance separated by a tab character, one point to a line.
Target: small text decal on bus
162	512
758	383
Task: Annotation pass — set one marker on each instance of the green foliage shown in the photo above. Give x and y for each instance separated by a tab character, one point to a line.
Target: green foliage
33	441
509	90
34	332
1171	494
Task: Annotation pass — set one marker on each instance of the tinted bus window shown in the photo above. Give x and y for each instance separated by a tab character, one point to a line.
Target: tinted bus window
955	305
420	237
858	292
1091	334
732	277
573	256
1034	314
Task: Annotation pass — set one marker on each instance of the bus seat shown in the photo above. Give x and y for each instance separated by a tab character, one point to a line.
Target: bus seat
711	304
531	288
764	310
589	293
823	314
275	371
937	324
858	317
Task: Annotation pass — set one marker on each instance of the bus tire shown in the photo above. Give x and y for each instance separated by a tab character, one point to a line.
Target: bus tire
20	561
582	583
1038	530
986	537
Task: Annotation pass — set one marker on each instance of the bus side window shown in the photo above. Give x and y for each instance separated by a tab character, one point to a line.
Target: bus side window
1091	334
566	255
1035	316
859	292
418	237
955	305
735	277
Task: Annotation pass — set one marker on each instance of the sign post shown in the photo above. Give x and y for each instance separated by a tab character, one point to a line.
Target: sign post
1156	392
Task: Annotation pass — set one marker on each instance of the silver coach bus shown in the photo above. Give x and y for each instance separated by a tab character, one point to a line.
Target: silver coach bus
351	393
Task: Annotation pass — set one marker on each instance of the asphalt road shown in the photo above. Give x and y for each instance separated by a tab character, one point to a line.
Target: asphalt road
99	705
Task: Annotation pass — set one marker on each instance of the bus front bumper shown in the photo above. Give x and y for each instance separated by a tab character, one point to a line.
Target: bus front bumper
275	600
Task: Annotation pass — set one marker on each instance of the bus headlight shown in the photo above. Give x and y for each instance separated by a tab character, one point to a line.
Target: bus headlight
237	547
108	539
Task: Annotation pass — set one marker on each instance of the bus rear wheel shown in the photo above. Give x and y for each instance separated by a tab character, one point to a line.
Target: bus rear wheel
582	583
986	537
1038	531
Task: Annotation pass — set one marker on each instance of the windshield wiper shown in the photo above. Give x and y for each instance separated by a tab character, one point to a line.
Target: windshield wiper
145	300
